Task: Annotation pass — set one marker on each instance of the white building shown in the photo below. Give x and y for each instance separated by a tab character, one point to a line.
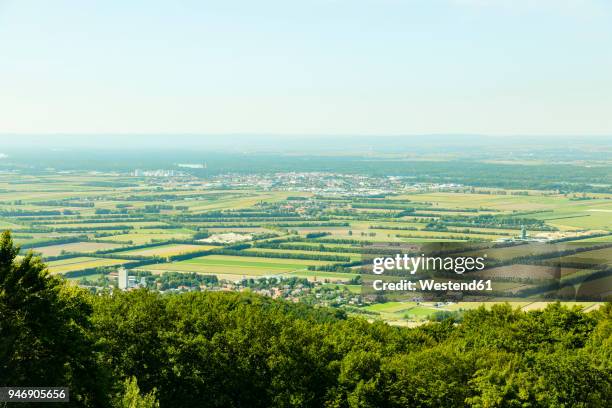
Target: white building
123	278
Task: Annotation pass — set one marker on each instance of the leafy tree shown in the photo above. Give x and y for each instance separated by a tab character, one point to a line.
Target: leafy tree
45	332
212	349
132	398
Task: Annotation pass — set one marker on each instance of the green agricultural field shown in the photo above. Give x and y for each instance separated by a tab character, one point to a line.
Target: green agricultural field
418	240
390	307
8	225
526	249
81	263
587	306
598	257
83	247
146	237
190	208
607	238
356	289
394	312
35	238
324	276
584	220
240	202
432	234
502	202
239	230
353	256
35	196
314	245
92	277
135	225
236	265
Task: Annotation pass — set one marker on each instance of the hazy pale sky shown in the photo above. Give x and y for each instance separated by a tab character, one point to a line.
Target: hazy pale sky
306	67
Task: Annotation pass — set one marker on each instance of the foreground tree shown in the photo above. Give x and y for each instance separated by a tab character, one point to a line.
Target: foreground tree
132	398
45	336
213	349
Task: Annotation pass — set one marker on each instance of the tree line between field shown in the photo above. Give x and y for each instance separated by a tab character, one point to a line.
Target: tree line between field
212	349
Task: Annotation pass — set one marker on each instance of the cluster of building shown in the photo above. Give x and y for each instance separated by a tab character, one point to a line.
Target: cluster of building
291	290
158	173
315	293
226	238
125	281
327	183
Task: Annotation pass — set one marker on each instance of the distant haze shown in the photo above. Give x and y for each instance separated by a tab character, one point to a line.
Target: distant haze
317	144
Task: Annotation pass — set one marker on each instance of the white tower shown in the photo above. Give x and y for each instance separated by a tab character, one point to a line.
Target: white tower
123	278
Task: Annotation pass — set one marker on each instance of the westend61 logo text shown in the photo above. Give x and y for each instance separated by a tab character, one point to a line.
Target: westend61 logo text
413	264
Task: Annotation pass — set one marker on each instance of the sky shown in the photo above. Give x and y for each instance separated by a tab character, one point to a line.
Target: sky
309	67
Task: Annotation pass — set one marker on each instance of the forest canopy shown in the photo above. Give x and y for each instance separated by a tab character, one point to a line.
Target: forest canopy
212	349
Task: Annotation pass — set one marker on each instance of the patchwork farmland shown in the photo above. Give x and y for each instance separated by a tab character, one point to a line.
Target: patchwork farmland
152	226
